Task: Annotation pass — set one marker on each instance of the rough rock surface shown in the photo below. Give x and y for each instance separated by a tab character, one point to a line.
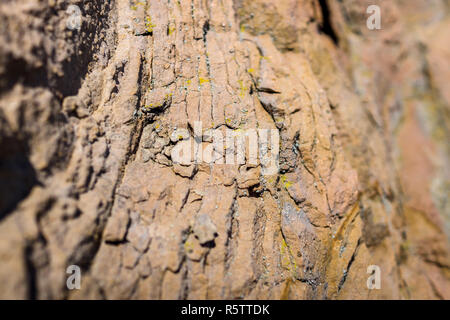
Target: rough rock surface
87	179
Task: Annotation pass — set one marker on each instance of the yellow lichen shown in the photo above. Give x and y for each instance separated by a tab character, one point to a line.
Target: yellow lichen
242	88
148	24
287	260
139	3
188	247
287	184
203	80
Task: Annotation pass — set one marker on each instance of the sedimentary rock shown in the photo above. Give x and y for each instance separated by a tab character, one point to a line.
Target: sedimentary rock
86	170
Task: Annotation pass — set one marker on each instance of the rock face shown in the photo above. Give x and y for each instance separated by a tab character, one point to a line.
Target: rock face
87	175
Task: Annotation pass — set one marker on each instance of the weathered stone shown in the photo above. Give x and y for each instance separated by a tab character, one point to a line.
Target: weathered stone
90	120
204	229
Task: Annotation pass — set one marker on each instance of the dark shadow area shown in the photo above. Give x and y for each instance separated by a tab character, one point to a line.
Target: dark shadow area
81	46
210	244
17	175
326	26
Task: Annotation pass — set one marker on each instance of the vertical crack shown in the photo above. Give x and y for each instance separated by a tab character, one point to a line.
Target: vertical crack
326	26
346	271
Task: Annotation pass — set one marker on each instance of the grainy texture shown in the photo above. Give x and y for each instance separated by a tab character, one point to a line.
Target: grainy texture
87	178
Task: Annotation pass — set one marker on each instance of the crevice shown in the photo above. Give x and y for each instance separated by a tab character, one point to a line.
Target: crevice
326	26
347	270
231	221
31	273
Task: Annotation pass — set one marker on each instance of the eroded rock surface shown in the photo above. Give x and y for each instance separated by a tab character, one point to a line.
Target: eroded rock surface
87	176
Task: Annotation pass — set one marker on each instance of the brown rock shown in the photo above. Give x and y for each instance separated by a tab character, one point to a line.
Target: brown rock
90	120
